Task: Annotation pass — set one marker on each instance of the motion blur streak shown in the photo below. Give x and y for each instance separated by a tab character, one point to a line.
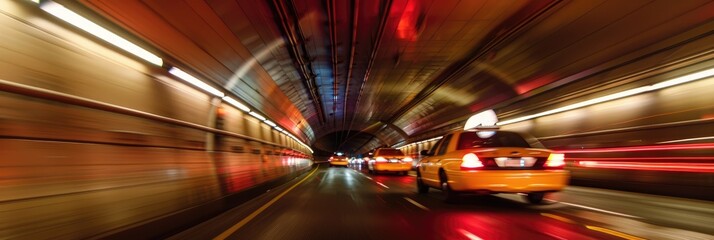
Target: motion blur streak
559	218
680	167
645	148
65	14
240	224
469	235
616	233
673	82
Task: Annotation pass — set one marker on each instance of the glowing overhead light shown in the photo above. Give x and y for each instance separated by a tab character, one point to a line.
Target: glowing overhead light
278	128
70	17
35	1
271	123
258	116
627	93
684	79
194	81
236	104
688	140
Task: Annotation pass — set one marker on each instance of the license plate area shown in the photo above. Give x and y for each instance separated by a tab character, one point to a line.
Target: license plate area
393	160
515	162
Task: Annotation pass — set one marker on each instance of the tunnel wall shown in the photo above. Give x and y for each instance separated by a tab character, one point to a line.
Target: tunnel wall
94	143
657	142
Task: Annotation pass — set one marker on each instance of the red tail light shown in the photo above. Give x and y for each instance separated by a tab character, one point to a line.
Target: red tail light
470	161
381	159
555	160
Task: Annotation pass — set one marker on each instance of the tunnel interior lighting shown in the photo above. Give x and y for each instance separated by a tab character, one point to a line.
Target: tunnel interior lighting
258	116
78	21
270	123
194	81
70	17
627	93
423	141
236	104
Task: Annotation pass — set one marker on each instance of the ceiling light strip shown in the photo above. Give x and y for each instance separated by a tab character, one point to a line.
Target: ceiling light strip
78	21
236	104
258	116
195	82
270	123
627	93
70	17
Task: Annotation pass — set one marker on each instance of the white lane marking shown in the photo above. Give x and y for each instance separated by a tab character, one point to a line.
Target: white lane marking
416	203
598	210
381	184
555	236
469	235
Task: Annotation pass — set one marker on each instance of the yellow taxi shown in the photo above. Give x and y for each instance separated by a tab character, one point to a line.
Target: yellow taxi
389	160
486	161
336	160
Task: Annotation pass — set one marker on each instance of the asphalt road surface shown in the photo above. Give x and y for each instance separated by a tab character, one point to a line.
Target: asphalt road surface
349	203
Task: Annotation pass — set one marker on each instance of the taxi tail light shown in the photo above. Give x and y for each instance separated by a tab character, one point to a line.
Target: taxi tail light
471	161
407	159
555	160
381	159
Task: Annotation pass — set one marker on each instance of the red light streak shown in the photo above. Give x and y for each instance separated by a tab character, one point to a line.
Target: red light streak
655	166
406	28
644	148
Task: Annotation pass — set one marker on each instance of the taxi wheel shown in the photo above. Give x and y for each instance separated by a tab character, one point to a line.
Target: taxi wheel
421	187
535	198
450	194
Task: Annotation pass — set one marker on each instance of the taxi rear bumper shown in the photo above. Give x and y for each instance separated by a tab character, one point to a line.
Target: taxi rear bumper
339	163
508	181
392	167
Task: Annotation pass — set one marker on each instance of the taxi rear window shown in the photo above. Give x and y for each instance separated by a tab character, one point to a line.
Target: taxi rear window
500	139
390	152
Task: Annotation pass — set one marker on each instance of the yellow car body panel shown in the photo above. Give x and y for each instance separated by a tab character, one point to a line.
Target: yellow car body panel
491	180
515	181
392	167
338	163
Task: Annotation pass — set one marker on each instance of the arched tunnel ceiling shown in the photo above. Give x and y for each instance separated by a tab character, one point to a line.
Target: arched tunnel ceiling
321	68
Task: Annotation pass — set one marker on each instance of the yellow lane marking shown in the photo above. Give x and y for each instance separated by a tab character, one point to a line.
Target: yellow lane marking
240	224
559	218
614	233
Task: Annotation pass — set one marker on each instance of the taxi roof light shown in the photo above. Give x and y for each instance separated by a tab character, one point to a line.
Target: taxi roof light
483	120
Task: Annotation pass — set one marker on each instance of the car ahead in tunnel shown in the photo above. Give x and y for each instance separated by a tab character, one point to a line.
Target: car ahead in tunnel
389	160
336	160
491	161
